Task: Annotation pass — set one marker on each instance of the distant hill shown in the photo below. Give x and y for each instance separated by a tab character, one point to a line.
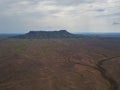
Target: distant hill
8	35
47	34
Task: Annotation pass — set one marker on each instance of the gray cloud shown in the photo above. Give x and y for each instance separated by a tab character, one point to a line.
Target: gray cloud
116	23
117	15
73	2
75	15
100	10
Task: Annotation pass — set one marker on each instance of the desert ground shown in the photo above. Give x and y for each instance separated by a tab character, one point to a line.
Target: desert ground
60	64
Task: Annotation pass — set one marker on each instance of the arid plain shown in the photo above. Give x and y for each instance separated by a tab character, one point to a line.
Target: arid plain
60	64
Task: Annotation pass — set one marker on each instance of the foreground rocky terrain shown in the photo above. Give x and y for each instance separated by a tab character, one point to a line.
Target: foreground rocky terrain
60	64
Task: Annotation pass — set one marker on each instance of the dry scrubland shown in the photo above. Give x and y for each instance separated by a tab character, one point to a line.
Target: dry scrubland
60	64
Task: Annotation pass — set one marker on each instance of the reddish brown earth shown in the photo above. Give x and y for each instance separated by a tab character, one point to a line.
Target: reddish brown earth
60	64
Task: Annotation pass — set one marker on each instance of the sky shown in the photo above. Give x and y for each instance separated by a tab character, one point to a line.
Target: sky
21	16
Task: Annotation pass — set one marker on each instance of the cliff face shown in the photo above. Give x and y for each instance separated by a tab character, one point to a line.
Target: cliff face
47	34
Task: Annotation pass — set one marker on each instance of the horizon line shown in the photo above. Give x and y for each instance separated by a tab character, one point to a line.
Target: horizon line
66	30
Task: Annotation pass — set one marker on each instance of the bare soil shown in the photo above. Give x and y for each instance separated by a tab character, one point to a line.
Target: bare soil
60	64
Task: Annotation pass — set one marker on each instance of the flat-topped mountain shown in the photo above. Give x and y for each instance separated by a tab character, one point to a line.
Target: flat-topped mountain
47	34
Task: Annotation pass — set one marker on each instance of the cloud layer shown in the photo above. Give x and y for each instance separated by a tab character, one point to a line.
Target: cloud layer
18	16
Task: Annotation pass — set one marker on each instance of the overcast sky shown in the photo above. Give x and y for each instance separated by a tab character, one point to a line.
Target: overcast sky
20	16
